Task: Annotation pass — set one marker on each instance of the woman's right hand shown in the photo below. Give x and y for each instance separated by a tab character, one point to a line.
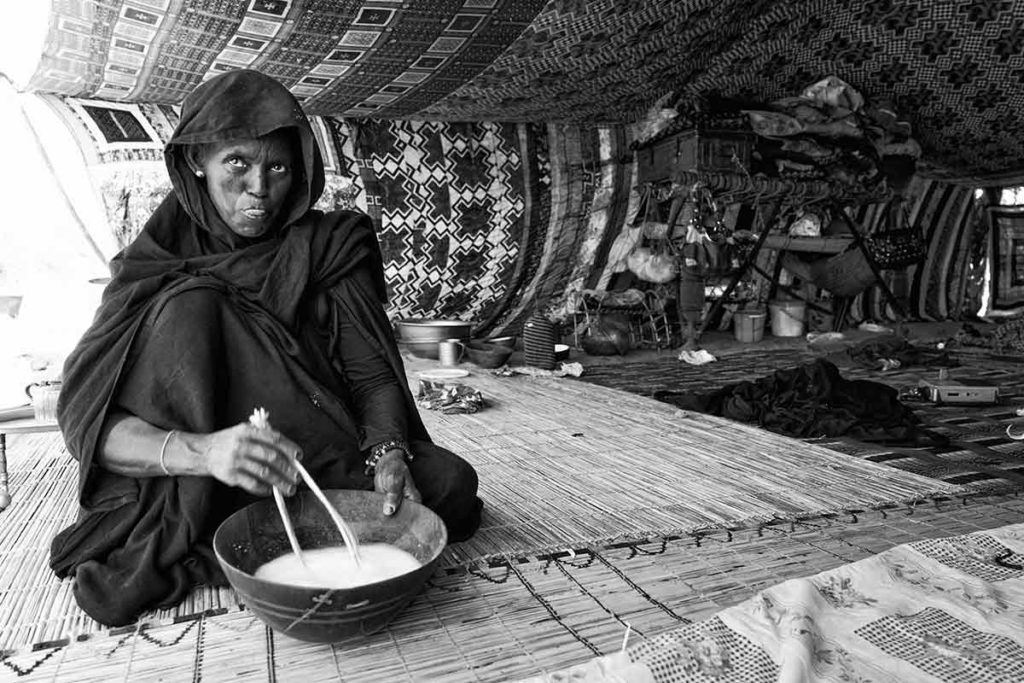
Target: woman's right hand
252	459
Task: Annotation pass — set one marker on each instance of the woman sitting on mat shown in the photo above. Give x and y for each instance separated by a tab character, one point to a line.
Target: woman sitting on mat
236	295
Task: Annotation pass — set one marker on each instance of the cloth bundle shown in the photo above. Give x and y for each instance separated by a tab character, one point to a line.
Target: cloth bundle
813	400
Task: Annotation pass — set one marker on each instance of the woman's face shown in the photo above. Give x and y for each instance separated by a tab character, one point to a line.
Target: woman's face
249	180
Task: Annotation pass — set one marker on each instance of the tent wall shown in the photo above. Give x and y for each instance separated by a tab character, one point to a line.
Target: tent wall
484	221
951	67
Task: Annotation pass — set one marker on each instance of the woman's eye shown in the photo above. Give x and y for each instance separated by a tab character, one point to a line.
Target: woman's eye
235	161
279	168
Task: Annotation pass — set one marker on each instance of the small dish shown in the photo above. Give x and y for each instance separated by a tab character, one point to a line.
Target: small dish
442	374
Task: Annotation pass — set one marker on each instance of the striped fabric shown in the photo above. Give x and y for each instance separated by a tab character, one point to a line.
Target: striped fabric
944	285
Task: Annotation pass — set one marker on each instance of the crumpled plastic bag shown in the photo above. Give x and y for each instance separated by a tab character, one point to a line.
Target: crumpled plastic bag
807	225
696	356
564	370
824	337
449	398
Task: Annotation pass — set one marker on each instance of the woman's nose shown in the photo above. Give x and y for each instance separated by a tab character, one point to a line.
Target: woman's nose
256	181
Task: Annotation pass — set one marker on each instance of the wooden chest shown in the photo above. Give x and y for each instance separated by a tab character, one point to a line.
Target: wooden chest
693	150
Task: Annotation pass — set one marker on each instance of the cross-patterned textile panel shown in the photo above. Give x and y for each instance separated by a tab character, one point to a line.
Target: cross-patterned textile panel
953	68
490	222
450	202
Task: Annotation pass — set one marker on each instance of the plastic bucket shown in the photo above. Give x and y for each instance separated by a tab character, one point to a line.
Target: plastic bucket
787	318
748	326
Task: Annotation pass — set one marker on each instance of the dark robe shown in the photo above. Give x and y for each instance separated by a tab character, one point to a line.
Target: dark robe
197	328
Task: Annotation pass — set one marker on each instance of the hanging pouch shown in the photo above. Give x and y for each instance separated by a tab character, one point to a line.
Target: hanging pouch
706	249
898	246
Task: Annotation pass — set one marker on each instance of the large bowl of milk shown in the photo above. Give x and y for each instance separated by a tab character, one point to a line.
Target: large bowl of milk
328	598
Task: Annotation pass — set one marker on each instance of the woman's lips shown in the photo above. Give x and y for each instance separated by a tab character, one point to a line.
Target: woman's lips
256	214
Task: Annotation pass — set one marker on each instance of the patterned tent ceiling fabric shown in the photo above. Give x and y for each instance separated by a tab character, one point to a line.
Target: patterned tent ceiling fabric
954	68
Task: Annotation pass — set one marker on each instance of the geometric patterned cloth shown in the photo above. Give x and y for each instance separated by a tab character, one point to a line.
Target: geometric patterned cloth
946	610
450	203
952	67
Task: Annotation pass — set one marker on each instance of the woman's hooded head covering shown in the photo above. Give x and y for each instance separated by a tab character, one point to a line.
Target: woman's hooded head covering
238	105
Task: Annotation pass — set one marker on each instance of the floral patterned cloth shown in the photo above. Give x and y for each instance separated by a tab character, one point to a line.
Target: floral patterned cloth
949	609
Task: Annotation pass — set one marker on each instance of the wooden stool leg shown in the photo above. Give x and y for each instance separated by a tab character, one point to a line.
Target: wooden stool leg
840	310
691	309
5	494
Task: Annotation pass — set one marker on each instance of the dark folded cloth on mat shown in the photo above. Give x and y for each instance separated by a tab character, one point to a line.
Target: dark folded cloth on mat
879	354
813	400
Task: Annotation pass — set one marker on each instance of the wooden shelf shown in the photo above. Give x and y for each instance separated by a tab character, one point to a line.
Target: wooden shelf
814	245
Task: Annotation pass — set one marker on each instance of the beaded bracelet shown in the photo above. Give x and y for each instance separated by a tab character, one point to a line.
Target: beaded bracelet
378	450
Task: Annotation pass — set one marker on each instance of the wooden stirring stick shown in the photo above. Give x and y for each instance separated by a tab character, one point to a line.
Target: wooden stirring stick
260	419
346	532
288	528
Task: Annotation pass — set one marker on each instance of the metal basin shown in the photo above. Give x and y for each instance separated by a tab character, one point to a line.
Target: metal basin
420	336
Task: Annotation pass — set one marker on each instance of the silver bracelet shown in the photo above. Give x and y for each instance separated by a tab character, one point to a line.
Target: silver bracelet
163	452
378	450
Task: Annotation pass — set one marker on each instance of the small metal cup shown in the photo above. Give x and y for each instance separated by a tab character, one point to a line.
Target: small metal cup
449	352
44	400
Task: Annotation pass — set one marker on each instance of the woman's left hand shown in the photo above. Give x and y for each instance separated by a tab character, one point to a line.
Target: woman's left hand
394	480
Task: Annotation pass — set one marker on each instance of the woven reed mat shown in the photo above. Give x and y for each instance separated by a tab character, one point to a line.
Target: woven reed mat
513	619
566	463
980	457
563	465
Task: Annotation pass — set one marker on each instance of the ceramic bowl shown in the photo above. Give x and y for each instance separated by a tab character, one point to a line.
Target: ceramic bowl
255	535
502	341
486	354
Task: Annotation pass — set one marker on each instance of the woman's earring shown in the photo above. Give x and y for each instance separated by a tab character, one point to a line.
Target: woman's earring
200	174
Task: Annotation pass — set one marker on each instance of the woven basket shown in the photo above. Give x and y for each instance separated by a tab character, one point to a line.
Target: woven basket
539	342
